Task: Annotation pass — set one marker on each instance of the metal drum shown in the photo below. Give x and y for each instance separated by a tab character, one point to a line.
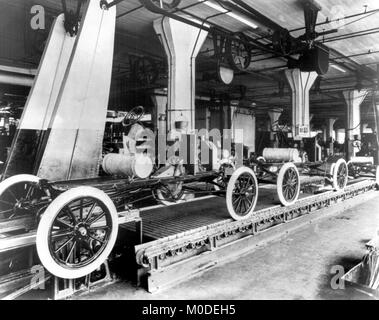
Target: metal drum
140	166
281	155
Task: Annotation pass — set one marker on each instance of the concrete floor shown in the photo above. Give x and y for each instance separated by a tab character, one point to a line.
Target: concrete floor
296	267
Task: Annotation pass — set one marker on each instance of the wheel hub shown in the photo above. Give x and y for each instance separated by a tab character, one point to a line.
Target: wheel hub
83	231
244	192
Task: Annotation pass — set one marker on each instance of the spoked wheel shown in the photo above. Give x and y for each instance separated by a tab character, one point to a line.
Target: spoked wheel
77	232
170	193
242	193
133	116
166	5
288	184
22	195
340	175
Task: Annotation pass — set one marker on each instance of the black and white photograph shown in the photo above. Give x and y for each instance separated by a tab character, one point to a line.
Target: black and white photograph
188	156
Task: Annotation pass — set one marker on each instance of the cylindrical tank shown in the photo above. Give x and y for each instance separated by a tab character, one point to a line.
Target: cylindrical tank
281	155
140	166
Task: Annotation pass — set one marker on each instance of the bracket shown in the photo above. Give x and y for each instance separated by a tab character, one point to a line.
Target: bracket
311	10
72	18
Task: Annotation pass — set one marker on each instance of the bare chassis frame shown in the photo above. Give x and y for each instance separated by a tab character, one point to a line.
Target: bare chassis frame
122	191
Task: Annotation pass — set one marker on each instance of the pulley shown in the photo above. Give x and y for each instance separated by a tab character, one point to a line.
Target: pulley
238	53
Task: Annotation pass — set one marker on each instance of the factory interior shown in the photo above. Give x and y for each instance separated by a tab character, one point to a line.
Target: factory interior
189	149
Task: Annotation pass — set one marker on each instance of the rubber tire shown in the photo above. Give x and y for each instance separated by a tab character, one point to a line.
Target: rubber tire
335	170
45	224
229	193
279	183
17	179
332	166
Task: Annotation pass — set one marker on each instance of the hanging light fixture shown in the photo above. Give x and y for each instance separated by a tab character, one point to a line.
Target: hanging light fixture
238	17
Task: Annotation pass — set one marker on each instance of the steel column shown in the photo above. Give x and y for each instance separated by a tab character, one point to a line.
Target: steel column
300	83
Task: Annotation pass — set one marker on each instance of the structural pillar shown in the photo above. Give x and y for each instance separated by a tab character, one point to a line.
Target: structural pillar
274	119
310	122
182	43
376	127
243	129
300	83
324	133
160	103
330	134
354	99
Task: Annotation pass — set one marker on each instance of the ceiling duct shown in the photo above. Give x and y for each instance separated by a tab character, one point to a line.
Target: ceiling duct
311	10
314	59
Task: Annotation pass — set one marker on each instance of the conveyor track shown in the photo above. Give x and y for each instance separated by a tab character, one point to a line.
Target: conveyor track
173	258
168	260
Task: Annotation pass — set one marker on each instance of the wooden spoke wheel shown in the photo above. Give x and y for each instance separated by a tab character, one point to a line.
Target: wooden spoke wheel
288	184
242	193
340	175
166	5
22	195
170	193
77	232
